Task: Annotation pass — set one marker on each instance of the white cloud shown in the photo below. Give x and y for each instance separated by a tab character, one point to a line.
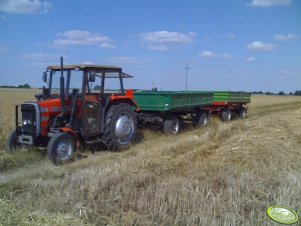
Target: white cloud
39	64
250	59
220	36
41	59
162	40
128	60
78	37
158	47
260	46
285	38
269	3
88	62
107	46
25	6
225	56
210	55
169	37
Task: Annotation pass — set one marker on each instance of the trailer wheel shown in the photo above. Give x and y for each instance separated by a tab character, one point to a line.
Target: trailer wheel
202	119
242	113
120	127
226	115
61	148
171	125
12	143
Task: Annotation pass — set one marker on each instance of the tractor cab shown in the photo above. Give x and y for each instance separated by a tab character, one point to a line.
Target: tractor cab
61	82
81	103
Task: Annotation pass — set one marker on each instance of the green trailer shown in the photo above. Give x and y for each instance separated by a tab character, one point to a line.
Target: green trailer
172	101
169	108
225	97
225	103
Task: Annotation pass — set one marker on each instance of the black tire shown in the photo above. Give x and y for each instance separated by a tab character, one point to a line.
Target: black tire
12	144
171	125
226	115
120	127
202	119
242	113
61	148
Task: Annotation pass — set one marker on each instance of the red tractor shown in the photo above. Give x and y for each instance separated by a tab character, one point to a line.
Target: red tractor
76	108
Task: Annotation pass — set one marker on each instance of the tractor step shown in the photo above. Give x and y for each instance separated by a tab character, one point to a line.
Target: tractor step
95	141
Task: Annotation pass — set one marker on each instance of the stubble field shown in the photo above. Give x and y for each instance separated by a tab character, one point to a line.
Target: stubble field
223	174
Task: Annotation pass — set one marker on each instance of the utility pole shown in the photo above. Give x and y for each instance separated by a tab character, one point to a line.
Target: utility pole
187	68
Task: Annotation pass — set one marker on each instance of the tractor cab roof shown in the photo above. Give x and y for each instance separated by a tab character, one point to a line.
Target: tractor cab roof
83	67
110	70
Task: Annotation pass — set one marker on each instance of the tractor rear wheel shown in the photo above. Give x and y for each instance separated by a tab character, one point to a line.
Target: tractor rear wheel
226	115
12	143
171	125
120	127
61	148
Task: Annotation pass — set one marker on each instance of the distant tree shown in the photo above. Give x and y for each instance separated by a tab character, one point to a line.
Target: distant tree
291	93
269	93
298	93
26	86
281	93
257	92
8	87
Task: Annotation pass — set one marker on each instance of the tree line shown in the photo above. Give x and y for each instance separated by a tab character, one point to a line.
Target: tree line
26	86
281	93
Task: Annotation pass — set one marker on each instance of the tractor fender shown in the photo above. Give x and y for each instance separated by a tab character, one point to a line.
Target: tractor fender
128	98
123	100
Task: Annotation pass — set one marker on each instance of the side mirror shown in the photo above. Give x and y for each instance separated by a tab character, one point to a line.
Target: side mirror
44	78
92	77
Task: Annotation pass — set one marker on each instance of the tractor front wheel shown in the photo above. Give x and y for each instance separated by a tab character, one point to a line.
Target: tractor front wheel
120	127
12	142
61	148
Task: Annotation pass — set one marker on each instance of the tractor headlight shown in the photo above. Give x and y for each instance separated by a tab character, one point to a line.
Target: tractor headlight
27	122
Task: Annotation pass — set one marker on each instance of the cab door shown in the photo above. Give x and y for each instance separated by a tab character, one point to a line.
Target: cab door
92	107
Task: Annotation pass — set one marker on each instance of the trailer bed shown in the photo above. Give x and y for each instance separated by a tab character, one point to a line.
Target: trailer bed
162	101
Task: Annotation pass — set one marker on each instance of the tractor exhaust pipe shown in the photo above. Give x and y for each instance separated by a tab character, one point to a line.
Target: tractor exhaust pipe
62	85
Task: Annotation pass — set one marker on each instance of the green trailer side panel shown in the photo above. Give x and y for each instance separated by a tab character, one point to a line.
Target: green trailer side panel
232	97
152	101
172	101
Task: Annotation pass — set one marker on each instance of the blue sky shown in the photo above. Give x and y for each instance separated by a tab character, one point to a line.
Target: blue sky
246	45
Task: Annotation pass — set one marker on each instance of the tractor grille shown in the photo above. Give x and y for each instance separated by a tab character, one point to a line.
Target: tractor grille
28	119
